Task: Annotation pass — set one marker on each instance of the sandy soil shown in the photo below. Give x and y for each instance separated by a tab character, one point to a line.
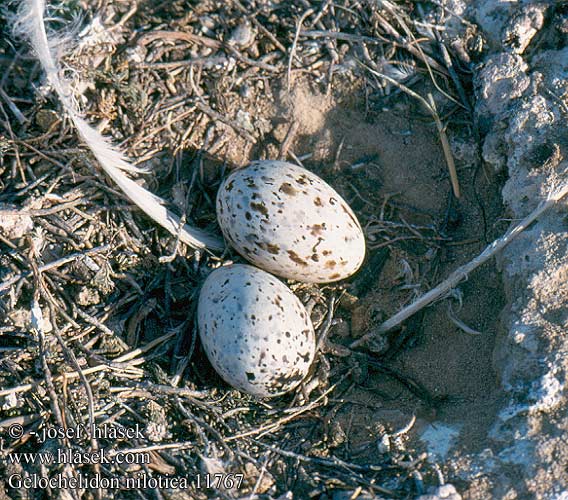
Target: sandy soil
408	163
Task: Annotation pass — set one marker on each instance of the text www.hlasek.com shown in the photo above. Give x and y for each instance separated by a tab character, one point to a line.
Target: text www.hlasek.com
69	456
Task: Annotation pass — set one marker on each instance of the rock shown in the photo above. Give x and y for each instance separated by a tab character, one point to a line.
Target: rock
501	79
263	481
553	65
157	428
521	108
522	27
445	492
14	225
242	36
87	296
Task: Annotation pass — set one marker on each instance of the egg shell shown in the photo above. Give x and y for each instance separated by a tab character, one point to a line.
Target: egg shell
288	221
256	333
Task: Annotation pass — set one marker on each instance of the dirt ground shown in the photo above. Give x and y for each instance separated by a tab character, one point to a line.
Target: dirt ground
408	165
189	125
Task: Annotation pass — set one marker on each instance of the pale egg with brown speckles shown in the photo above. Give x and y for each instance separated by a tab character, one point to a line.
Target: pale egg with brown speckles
255	332
288	221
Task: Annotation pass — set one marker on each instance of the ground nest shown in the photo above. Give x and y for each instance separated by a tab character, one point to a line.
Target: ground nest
97	303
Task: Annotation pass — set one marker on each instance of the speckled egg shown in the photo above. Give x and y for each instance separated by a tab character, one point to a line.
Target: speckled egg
254	330
288	221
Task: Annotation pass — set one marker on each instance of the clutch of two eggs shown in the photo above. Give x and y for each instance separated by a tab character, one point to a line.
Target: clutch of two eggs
287	222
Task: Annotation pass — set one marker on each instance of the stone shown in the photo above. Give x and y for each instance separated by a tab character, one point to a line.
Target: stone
445	492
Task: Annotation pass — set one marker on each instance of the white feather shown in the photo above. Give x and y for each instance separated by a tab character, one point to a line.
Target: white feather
30	25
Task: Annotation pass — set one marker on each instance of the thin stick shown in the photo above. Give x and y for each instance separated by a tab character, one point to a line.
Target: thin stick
461	273
445	147
276	424
294	44
208	110
53	265
258	24
21	420
86	385
97	368
287	142
431	107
